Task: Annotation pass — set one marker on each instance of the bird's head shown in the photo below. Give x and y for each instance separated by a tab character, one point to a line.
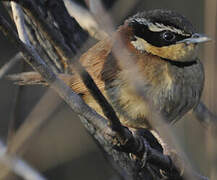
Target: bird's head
164	33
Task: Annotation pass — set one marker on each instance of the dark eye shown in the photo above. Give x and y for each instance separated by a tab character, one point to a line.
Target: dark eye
168	36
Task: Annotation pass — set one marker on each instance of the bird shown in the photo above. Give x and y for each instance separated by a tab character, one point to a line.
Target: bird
160	55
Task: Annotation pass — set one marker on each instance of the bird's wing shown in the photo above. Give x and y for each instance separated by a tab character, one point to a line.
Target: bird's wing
93	61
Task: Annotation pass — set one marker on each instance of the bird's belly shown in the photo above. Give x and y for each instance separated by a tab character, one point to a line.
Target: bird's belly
169	105
184	93
175	102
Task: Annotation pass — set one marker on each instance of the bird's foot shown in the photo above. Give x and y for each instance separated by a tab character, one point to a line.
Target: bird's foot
145	141
149	137
142	152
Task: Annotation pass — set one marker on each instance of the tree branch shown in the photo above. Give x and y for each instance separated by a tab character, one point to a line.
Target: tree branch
96	125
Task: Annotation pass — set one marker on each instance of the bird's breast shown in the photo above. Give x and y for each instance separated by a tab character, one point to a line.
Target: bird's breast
169	90
185	91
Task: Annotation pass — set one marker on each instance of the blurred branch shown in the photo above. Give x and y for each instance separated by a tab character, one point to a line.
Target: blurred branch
6	67
17	165
210	54
210	57
101	16
13	121
204	115
85	19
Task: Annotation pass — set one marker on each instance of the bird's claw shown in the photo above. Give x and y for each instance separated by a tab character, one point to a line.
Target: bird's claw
142	154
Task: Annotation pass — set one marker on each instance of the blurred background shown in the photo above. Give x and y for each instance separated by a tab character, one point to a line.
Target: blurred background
63	149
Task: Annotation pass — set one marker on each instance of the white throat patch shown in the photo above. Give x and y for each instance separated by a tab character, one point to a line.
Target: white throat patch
139	44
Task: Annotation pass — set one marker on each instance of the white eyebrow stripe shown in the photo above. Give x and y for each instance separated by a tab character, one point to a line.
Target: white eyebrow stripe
161	27
157	27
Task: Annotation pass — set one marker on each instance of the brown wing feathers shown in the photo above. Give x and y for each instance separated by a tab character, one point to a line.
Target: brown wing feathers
93	61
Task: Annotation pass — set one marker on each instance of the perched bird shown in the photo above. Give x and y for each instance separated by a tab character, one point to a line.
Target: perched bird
161	47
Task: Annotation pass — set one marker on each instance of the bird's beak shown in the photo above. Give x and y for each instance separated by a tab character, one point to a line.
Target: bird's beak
195	38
